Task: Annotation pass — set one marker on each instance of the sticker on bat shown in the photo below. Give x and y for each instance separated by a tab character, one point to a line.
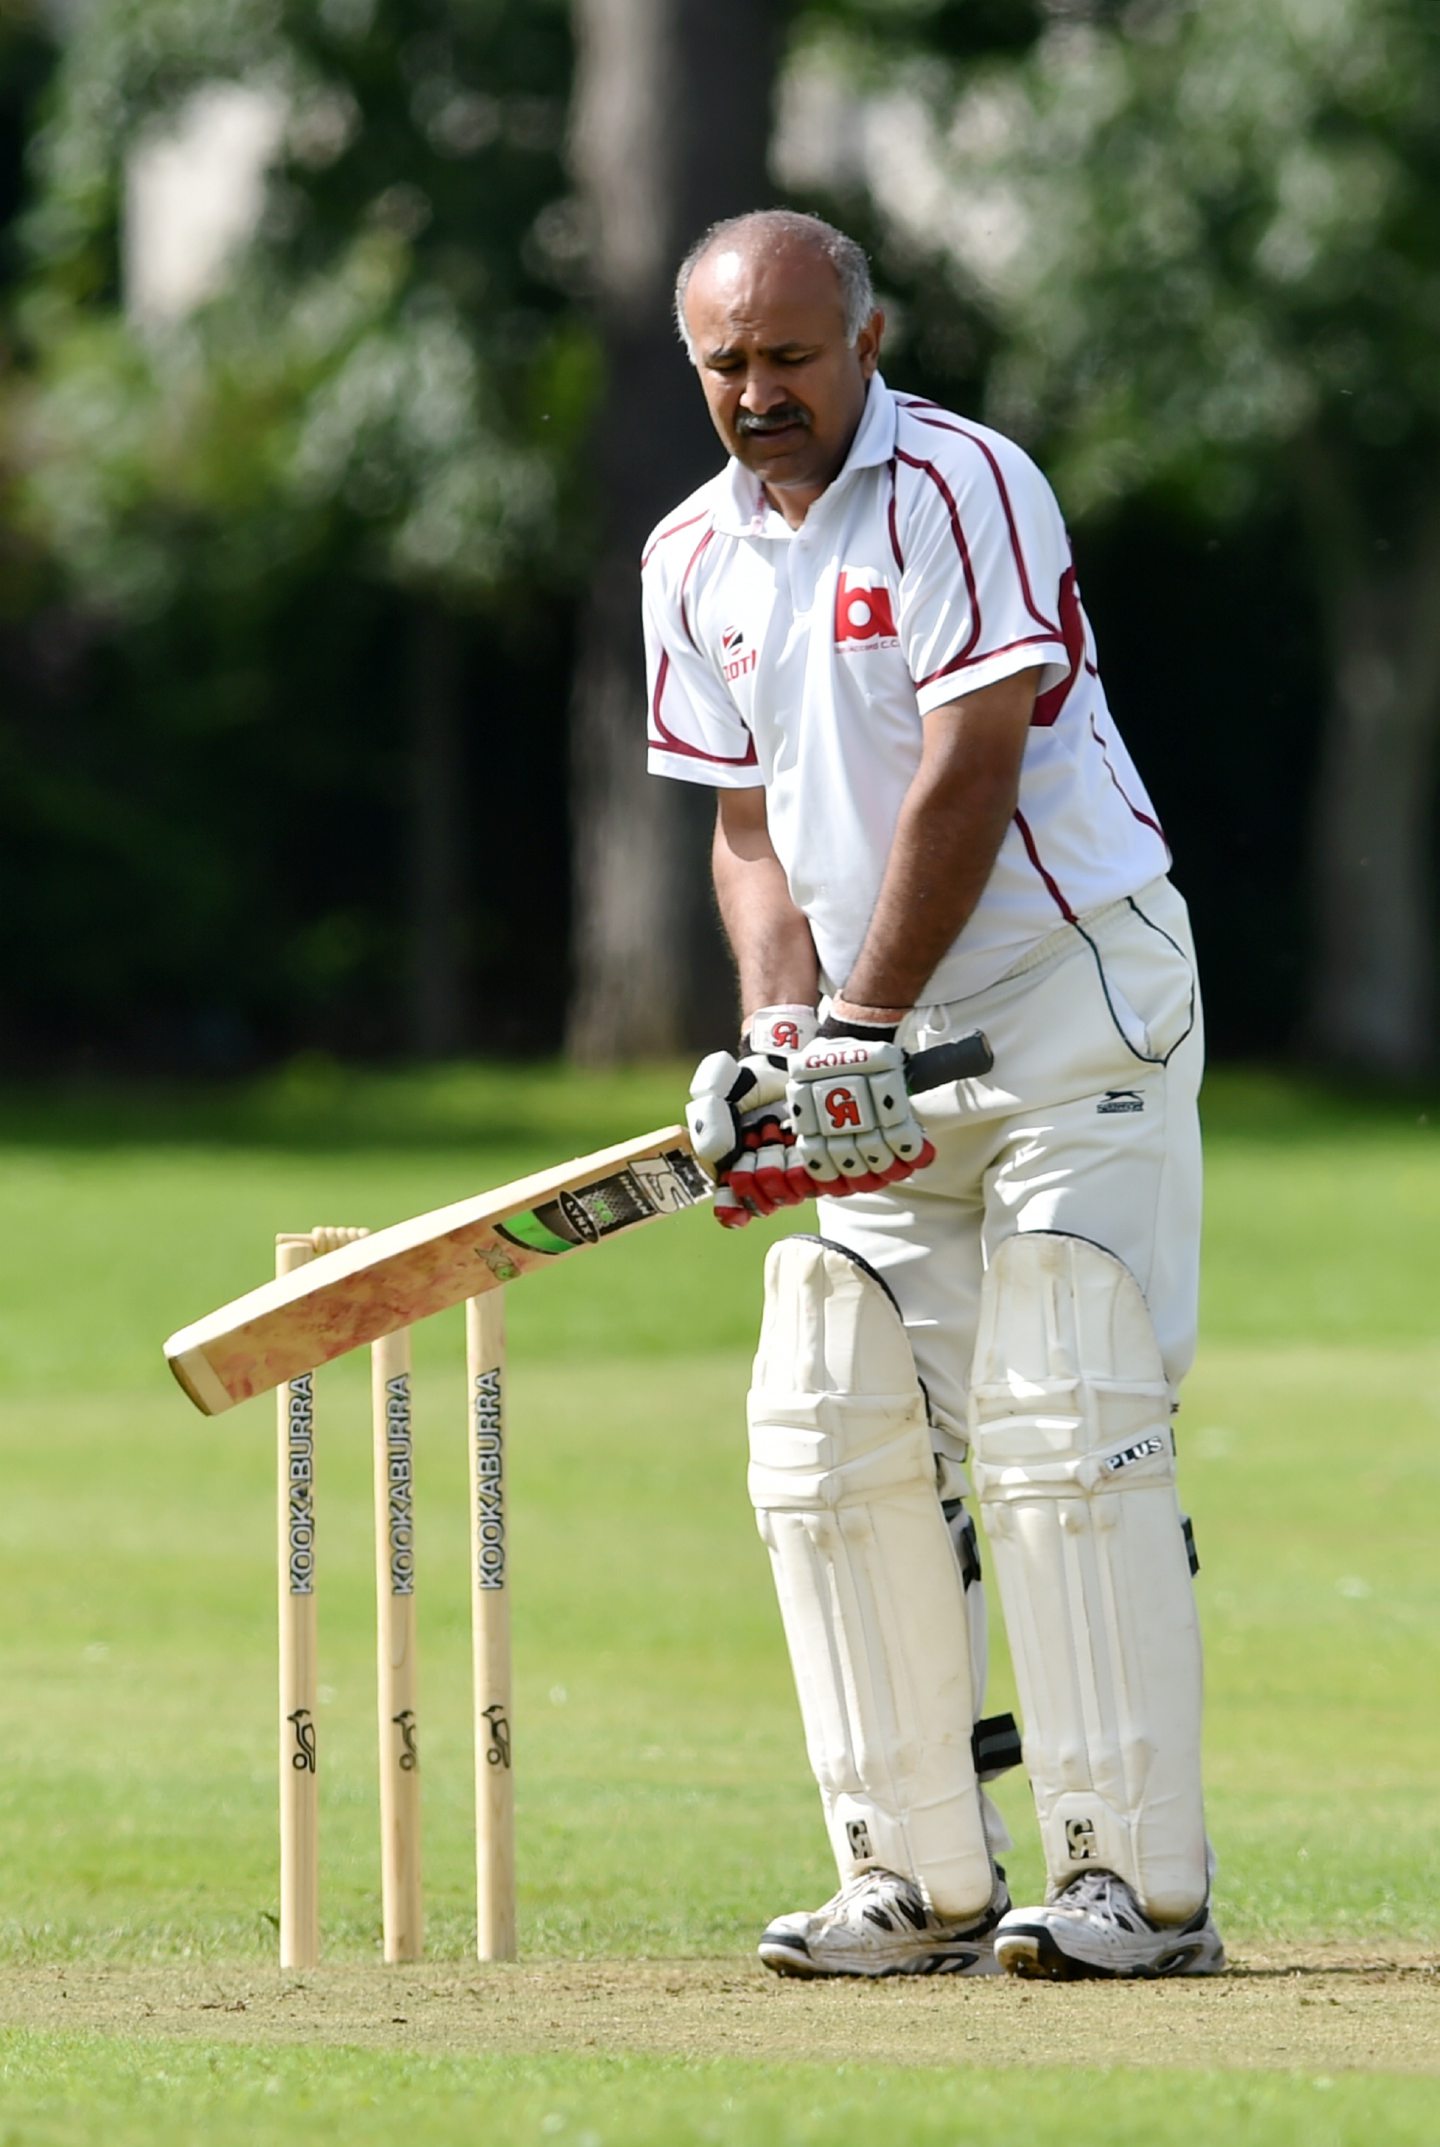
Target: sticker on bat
499	1262
658	1185
671	1182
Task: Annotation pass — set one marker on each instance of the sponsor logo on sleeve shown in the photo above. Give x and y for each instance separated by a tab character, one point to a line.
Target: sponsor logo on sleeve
736	658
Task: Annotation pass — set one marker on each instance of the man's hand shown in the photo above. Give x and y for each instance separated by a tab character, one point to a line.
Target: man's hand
854	1128
739	1118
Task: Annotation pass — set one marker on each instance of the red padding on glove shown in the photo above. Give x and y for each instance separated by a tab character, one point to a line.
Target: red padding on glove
804	1187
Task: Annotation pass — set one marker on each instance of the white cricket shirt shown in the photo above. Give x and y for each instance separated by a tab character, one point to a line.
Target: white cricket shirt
807	660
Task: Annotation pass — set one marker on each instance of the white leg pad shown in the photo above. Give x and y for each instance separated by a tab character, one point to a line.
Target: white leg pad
1074	1464
842	1478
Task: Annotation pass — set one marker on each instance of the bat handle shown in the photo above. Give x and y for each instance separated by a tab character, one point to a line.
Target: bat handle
961	1060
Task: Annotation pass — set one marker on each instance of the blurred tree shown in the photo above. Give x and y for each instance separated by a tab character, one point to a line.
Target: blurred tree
289	567
1206	235
671	125
381	394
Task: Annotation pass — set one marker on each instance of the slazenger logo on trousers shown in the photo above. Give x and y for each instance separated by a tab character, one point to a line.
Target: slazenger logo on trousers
864	614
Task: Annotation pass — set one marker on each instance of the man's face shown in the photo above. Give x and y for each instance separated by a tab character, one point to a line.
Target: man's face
785	389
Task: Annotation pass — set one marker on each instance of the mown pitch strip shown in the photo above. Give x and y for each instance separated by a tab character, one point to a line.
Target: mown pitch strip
1311	2010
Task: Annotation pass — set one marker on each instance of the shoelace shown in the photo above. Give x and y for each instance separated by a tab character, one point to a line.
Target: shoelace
867	1885
1092	1890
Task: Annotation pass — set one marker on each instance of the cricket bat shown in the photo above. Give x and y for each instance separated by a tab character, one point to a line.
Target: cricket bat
394	1277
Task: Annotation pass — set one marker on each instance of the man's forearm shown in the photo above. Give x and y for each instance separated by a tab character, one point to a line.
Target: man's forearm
942	855
769	937
947	837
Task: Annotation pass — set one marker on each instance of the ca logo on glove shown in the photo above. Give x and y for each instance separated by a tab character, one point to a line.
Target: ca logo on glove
841	1108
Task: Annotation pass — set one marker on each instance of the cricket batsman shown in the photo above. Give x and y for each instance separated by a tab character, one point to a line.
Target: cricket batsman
866	635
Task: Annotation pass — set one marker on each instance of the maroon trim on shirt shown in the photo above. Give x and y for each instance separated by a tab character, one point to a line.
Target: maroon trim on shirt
890	518
945	423
961	663
667	742
1145	819
1072	622
673	531
915	462
684	581
1034	856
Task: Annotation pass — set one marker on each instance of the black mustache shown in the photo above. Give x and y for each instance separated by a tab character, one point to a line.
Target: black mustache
791	414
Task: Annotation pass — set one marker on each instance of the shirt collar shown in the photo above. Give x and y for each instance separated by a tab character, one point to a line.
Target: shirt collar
744	510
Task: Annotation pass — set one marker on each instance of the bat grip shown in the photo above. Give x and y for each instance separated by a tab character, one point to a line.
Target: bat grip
961	1060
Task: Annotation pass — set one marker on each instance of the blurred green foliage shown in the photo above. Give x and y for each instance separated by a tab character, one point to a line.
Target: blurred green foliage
1190	252
1210	230
1186	252
387	377
226	526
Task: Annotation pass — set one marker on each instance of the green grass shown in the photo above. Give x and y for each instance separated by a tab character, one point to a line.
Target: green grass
664	1805
231	2096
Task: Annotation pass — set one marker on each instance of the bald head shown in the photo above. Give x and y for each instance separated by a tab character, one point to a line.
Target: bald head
780	322
781	238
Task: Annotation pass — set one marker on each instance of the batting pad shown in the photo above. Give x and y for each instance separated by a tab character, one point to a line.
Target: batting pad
842	1479
1074	1464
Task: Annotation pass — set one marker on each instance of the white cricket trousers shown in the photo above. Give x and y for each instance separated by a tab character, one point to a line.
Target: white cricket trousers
1087	1123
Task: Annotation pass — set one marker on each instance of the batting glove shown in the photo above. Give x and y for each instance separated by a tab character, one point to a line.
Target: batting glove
739	1119
855	1129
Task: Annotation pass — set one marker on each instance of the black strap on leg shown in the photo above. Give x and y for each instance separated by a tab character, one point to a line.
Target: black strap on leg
965	1539
995	1744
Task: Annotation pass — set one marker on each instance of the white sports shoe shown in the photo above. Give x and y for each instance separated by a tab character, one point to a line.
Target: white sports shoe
1096	1927
880	1924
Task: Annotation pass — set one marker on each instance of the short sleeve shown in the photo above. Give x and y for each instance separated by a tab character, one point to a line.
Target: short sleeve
984	552
696	732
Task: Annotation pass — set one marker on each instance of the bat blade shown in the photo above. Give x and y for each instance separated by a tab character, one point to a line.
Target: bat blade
395	1277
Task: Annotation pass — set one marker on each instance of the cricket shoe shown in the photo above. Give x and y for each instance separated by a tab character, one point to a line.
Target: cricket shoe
880	1924
1096	1927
